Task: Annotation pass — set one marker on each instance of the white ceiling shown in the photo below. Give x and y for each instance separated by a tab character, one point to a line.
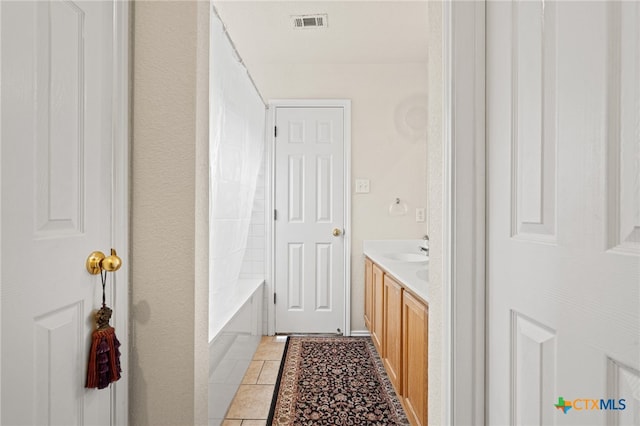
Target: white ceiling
358	32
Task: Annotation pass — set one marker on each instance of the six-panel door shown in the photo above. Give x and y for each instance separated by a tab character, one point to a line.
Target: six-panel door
309	200
57	141
563	229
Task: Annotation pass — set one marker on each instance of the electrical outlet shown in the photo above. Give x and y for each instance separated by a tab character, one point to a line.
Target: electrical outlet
362	186
421	214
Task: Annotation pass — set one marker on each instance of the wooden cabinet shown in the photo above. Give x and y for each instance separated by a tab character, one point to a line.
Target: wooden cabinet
415	341
377	312
392	331
368	293
399	326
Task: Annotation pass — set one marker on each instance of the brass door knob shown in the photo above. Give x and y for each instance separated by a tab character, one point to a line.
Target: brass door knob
336	232
97	262
112	263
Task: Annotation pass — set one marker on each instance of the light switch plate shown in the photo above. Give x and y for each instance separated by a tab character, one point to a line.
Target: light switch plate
421	214
362	186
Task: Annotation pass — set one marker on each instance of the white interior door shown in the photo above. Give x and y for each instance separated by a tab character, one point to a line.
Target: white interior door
309	229
563	277
57	131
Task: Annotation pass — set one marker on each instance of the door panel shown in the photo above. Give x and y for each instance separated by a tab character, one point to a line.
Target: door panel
563	272
324	278
534	113
324	200
57	122
59	118
309	194
624	111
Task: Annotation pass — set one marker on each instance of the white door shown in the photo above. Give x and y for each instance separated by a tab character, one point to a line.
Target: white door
309	238
563	276
57	131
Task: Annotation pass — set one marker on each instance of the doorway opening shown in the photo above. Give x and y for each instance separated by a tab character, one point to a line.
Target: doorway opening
310	160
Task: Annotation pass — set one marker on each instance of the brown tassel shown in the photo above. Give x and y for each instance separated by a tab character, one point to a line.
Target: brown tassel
104	356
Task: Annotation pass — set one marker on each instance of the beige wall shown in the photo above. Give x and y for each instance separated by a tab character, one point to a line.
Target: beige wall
435	179
169	255
395	164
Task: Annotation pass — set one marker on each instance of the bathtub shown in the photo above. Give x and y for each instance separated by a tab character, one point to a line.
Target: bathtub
233	346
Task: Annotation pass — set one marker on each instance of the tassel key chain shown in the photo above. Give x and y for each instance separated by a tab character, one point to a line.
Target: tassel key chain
104	356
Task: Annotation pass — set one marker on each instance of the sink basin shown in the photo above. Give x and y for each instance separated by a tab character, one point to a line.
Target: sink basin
407	257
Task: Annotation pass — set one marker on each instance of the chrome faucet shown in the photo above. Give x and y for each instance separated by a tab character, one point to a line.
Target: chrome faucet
425	249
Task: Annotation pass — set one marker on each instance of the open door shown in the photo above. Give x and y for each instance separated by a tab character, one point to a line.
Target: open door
563	236
63	196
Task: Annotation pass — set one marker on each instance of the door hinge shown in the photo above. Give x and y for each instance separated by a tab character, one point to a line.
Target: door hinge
275	131
275	214
274	298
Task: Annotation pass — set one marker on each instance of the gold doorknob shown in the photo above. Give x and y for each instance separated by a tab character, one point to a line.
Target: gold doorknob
336	232
97	262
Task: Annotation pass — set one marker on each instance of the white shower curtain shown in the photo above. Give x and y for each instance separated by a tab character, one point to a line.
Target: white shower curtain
236	152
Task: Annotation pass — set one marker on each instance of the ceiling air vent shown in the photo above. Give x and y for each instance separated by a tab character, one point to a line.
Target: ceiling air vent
309	21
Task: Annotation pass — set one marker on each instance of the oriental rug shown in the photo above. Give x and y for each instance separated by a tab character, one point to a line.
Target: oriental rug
333	381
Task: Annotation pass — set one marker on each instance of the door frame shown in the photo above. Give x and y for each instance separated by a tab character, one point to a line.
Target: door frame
345	104
120	200
120	203
464	213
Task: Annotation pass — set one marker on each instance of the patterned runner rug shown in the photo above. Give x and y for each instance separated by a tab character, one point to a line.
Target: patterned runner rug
333	381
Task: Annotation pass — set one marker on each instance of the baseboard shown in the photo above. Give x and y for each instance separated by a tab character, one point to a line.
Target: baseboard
360	333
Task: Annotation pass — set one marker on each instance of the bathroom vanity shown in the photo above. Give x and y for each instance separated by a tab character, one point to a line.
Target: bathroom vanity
397	315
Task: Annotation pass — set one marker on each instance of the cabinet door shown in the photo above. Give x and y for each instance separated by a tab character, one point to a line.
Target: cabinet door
392	331
377	311
415	326
368	292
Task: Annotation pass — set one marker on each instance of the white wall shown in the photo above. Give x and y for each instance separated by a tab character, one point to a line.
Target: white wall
394	163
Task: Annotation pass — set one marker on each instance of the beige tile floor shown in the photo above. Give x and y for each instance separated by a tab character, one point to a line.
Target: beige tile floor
250	406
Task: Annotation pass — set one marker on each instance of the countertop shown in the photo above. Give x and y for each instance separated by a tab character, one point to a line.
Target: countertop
413	275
